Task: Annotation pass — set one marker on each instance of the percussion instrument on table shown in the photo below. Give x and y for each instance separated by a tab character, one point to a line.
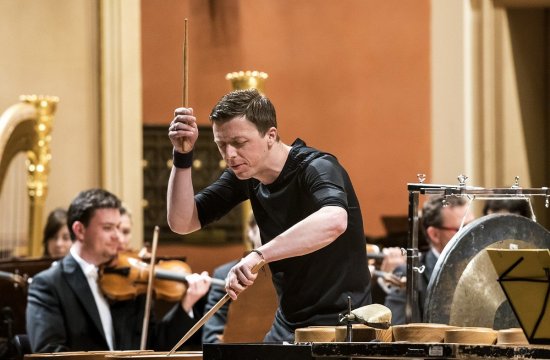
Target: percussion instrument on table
414	333
371	350
360	333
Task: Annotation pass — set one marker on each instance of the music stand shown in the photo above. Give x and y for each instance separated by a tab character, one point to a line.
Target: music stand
524	276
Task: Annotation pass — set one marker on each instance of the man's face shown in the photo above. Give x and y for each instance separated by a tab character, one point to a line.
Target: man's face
102	237
452	218
242	147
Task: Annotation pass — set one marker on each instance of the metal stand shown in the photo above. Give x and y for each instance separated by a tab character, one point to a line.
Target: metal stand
348	319
472	193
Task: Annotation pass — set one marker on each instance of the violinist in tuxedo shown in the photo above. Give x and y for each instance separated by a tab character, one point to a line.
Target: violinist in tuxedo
67	310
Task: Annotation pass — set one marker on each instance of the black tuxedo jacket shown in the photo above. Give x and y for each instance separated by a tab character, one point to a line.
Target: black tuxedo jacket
62	316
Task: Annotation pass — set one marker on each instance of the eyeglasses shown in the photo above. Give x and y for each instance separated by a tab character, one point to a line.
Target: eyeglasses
455	229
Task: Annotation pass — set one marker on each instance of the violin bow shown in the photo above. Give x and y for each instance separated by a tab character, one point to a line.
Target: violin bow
210	312
146	316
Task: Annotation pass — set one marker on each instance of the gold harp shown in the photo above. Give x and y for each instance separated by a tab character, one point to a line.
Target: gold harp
25	134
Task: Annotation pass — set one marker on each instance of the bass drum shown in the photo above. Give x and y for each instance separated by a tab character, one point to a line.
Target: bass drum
463	290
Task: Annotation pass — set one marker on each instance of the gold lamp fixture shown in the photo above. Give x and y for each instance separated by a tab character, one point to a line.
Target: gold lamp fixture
241	80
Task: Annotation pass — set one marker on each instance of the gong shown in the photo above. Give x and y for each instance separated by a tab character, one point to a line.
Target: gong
463	289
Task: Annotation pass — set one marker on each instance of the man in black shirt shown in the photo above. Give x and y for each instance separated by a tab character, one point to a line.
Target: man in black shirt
304	203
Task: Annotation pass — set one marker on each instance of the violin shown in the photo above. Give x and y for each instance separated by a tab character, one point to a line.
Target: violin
127	277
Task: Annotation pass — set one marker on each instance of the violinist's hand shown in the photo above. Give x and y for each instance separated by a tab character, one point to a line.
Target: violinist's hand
183	131
240	276
197	286
393	257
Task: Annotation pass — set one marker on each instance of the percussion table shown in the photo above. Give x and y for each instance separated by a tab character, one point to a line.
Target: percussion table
371	350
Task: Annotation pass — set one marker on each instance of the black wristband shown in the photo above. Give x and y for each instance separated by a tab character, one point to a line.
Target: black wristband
182	160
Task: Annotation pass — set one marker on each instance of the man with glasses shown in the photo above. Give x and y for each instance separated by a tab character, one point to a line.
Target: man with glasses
441	219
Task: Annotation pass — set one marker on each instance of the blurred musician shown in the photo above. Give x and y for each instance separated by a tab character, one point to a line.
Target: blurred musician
57	239
125	227
67	311
439	223
507	206
304	203
126	224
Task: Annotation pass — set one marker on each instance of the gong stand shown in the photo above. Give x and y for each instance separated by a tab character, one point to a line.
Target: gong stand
462	190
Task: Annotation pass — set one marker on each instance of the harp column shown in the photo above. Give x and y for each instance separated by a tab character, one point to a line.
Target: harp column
38	167
243	80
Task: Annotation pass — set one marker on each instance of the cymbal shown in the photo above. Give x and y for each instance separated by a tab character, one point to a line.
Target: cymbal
463	290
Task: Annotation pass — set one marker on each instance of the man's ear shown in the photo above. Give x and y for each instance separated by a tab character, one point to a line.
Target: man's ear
272	135
433	234
78	229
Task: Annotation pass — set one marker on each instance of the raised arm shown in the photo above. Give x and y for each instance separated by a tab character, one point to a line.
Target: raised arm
181	209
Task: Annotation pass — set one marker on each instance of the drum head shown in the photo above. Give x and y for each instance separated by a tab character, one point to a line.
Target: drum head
463	290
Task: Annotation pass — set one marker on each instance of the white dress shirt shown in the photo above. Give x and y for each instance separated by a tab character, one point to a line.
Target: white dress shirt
90	271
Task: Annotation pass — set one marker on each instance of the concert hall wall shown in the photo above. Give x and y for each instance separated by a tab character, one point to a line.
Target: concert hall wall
349	77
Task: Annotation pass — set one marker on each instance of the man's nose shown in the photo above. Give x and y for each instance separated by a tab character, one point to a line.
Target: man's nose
230	152
118	234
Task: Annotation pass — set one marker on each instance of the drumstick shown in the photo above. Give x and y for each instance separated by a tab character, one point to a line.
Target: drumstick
185	96
149	291
185	93
210	312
